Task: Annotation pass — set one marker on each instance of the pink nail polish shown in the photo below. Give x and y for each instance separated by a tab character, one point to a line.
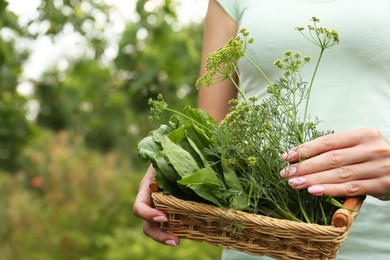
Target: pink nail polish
170	243
288	172
297	181
289	156
316	189
160	219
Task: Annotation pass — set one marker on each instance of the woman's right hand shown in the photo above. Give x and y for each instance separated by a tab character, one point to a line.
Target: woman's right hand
143	208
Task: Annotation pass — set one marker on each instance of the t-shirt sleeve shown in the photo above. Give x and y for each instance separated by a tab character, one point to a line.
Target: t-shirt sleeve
231	7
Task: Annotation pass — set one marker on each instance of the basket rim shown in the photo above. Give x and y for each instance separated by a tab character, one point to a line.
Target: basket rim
203	208
262	235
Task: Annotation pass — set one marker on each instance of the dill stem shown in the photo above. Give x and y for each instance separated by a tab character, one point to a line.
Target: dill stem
257	67
286	110
323	214
311	85
303	211
237	86
299	131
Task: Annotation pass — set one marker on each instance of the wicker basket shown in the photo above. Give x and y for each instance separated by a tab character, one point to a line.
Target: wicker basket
256	234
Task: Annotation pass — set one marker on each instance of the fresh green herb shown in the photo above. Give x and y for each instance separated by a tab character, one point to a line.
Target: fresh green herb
235	164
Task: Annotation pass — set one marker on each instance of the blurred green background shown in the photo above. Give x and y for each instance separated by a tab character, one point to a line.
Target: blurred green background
69	170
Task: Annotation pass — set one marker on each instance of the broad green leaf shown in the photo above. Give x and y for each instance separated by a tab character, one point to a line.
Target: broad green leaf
207	194
205	176
180	159
159	133
167	186
201	117
198	135
148	149
197	150
205	183
177	135
166	168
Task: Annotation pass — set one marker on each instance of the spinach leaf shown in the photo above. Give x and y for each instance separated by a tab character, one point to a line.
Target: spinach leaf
197	150
166	168
202	118
160	132
180	159
205	176
198	135
148	149
168	187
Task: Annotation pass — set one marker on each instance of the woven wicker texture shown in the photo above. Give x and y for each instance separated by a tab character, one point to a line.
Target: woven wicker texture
251	233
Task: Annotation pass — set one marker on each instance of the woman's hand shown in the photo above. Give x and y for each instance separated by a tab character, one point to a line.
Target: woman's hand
152	217
349	163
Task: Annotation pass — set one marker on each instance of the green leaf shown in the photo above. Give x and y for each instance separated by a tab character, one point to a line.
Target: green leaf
180	159
206	184
167	186
197	150
166	168
230	176
207	194
239	199
159	133
203	119
148	149
174	121
198	135
177	135
205	176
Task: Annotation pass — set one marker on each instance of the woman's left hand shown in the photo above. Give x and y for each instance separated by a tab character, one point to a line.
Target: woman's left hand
348	163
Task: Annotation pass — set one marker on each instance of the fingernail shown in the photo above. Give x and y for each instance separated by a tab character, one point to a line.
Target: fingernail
289	156
170	243
316	189
288	172
297	181
160	219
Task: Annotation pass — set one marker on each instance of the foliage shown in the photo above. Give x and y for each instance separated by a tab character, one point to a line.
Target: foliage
81	17
92	90
15	130
164	60
72	203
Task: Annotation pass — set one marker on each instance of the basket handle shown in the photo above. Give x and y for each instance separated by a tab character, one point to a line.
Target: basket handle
153	186
343	216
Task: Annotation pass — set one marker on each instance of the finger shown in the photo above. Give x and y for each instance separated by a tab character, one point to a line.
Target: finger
143	205
326	161
338	175
349	189
325	143
143	208
154	231
148	213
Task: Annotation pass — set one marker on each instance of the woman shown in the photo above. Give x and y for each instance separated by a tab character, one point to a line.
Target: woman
351	96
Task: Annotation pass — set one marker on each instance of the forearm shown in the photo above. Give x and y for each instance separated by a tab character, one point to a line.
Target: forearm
219	29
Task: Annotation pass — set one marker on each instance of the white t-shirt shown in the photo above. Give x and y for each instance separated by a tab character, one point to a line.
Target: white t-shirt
351	89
